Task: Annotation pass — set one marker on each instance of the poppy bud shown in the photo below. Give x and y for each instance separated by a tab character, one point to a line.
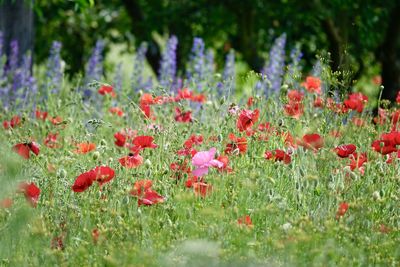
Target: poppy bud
96	155
376	195
61	174
103	142
147	162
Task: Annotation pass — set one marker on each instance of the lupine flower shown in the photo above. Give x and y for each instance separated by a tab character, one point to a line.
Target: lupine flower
203	160
293	73
94	68
54	70
137	82
168	63
195	71
275	68
118	77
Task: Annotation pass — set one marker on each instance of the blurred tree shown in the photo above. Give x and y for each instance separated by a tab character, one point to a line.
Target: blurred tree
16	23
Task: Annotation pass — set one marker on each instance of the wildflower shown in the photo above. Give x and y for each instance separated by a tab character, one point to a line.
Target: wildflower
83	181
295	96
294	109
311	141
225	162
203	160
384	146
246	119
103	174
51	141
278	155
56	120
238	144
23	149
6	203
345	151
312	85
95	235
356	102
181	116
106	90
357	161
343	207
14	122
146	196
83	148
41	115
245	221
202	189
31	192
117	111
141	142
131	161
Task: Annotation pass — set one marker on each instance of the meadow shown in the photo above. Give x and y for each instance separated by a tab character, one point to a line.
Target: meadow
201	168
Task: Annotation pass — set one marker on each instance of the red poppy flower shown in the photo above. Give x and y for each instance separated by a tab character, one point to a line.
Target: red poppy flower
84	181
146	196
23	149
357	161
295	96
245	220
356	102
265	127
181	116
238	144
225	161
51	141
41	115
343	207
140	187
344	151
185	93
202	189
95	235
250	101
393	156
106	90
200	98
142	142
103	174
311	141
14	122
246	119
83	148
382	116
6	203
294	109
278	155
384	146
318	102
191	180
117	111
312	85
150	197
131	161
56	120
146	99
122	137
194	139
31	192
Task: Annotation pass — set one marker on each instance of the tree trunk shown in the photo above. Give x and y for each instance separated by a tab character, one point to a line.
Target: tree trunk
16	23
389	56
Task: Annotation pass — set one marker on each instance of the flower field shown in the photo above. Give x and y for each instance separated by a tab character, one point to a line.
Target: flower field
190	170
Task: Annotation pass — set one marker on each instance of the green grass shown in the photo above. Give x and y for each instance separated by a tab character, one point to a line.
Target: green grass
292	207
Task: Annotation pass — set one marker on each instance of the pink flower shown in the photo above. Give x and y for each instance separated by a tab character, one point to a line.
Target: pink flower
203	160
